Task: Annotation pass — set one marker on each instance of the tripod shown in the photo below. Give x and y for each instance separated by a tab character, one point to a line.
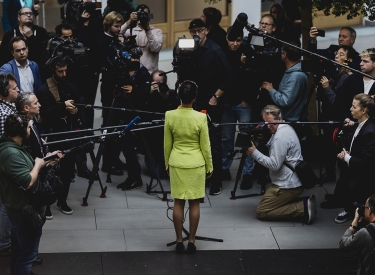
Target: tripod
238	177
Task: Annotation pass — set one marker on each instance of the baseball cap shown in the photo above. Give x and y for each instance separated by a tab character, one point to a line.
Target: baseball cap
196	23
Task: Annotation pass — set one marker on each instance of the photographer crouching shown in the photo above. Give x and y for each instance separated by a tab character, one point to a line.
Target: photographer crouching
160	100
284	147
362	240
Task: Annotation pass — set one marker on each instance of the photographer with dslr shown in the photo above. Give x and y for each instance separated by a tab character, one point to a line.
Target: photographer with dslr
213	75
362	240
148	38
281	199
160	100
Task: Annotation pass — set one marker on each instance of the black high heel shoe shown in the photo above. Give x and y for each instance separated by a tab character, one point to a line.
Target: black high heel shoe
191	248
180	248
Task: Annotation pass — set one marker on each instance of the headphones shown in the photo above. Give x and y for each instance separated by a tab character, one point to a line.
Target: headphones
21	128
4	83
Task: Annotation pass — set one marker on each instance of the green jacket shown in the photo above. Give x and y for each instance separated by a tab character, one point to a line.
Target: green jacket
186	140
15	166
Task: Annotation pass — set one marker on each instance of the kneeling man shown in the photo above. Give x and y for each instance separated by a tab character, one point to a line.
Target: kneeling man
281	199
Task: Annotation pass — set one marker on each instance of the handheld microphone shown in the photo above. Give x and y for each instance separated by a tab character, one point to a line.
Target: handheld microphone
132	124
237	27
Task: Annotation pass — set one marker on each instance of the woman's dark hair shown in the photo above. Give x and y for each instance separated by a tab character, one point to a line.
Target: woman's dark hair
350	52
16	125
187	91
371	203
213	16
366	102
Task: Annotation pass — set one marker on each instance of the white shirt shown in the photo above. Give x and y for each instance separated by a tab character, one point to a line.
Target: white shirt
26	78
348	156
367	85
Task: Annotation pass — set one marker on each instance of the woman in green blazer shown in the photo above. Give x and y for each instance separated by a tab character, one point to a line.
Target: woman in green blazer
188	157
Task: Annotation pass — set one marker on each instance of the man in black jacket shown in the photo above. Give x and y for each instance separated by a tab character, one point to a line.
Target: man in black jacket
213	75
59	114
35	36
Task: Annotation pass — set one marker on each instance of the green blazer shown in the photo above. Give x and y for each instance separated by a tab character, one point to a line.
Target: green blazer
186	140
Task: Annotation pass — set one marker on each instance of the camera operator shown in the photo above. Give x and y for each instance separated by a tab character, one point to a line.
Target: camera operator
212	17
292	94
112	25
148	38
19	173
237	107
213	75
26	71
362	240
134	97
283	146
60	118
35	36
327	94
160	100
265	64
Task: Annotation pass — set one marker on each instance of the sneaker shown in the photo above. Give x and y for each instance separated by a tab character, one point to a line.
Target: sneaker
49	215
225	174
343	216
131	184
215	190
64	208
310	209
247	182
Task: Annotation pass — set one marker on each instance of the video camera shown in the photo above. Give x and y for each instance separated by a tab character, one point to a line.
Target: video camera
184	57
118	60
71	12
74	52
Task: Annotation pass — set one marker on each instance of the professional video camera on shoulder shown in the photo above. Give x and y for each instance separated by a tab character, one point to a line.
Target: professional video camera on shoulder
119	60
71	12
74	52
184	56
260	51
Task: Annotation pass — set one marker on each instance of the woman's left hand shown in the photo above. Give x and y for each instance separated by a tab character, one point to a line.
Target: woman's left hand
209	175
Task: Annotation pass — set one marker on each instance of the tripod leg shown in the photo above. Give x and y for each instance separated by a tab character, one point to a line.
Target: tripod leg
239	174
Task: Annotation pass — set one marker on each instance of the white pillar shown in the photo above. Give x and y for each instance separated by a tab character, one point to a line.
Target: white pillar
104	4
251	7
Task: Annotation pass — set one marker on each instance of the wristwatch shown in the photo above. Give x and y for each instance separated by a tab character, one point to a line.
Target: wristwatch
216	97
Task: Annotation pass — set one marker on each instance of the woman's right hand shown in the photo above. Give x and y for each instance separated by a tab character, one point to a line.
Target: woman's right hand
208	175
348	122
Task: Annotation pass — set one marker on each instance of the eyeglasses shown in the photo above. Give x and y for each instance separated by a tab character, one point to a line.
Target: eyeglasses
67	37
27	13
197	31
339	53
265	23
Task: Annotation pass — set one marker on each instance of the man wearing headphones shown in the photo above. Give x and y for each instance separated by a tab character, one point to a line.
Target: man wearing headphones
60	118
18	173
8	94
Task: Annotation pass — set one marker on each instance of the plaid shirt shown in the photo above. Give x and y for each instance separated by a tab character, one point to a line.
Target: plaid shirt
6	109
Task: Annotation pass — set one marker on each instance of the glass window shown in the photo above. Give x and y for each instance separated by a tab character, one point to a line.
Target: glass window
188	10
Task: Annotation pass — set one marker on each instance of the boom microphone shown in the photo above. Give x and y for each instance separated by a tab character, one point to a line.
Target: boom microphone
237	27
